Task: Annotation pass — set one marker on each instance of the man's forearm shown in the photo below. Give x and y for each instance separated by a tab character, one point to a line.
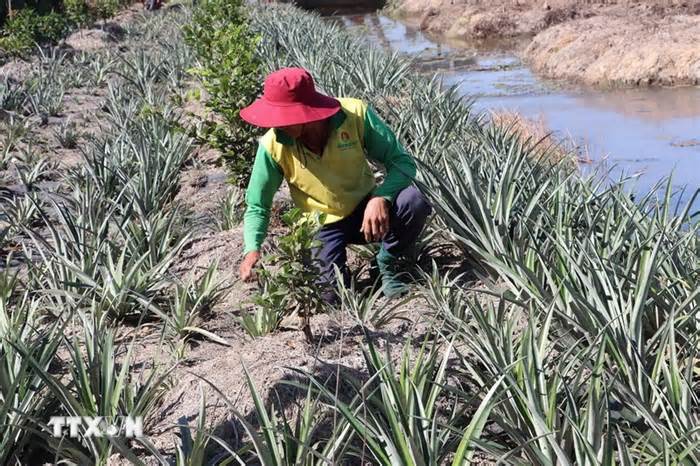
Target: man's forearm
265	179
255	223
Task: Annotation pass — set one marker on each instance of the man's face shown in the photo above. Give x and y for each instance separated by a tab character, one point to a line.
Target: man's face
293	131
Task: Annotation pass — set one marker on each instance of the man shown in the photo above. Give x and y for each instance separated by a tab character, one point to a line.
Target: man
320	145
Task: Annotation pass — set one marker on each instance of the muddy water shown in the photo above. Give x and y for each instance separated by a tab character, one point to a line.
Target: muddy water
649	133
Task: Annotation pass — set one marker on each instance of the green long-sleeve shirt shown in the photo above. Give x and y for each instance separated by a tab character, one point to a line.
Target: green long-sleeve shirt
333	183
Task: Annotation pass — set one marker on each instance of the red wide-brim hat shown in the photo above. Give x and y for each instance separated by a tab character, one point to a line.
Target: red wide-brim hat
289	98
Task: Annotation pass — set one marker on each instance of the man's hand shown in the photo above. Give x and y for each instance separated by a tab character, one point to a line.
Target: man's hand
249	261
376	220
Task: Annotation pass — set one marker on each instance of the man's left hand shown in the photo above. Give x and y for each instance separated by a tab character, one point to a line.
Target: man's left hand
376	220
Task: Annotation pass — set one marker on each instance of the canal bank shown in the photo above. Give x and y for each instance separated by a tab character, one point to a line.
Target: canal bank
604	44
649	132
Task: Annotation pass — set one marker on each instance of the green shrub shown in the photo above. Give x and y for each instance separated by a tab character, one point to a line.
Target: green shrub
105	9
230	73
77	12
27	27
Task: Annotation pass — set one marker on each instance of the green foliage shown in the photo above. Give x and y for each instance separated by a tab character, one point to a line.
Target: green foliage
281	441
21	212
364	305
406	415
293	286
270	307
12	132
105	9
45	100
101	384
191	450
99	67
229	70
33	171
27	27
229	210
77	12
67	135
21	404
341	64
588	357
103	248
190	302
124	187
11	95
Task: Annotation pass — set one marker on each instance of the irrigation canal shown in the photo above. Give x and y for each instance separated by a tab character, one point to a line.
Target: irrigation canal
650	132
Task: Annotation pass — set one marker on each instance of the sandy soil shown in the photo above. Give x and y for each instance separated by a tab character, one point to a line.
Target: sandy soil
620	51
623	43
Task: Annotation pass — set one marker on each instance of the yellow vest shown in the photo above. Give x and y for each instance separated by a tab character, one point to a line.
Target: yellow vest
336	182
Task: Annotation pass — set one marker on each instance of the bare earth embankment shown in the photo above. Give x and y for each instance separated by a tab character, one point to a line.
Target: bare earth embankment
604	44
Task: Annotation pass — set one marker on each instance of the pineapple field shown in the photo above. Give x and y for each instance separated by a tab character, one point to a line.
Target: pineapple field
552	318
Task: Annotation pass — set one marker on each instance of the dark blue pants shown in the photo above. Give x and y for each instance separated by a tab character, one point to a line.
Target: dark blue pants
408	214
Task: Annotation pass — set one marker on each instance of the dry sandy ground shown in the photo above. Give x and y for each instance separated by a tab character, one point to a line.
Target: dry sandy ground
616	43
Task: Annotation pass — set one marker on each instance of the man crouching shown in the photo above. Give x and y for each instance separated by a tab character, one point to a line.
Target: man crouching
320	145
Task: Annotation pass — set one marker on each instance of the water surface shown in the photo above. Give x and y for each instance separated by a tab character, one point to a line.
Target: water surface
652	133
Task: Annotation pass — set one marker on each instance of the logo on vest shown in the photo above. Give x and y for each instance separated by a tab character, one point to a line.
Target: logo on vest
345	142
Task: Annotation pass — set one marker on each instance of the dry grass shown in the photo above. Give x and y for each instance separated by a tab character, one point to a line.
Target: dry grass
537	130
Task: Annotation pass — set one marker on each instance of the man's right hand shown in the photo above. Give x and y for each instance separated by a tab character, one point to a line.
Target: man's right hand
249	261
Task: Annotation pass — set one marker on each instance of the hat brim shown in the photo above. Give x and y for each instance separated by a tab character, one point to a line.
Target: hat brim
268	114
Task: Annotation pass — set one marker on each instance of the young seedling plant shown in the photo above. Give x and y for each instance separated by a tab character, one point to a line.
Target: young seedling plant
293	285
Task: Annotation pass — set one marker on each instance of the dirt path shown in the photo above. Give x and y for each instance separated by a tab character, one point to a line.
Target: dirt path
624	43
